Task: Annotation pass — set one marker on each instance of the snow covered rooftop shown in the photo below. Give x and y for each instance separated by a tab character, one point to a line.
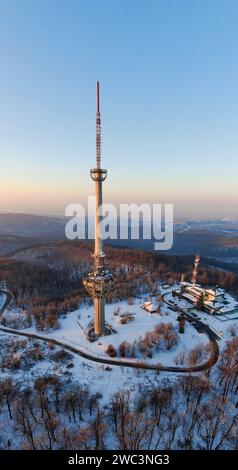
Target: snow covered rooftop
149	306
189	296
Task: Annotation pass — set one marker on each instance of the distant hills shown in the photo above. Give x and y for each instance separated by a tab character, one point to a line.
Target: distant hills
211	238
35	226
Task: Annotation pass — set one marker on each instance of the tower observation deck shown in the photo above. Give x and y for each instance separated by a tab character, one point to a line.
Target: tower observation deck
99	282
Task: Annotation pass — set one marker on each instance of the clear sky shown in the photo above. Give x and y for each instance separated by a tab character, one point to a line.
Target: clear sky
168	71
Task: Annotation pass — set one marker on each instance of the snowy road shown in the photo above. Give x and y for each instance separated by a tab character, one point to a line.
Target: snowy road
5	300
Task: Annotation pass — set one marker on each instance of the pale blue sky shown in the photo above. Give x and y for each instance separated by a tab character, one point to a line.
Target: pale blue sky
169	90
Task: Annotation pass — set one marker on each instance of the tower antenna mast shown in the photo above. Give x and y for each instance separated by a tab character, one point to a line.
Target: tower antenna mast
195	269
98	130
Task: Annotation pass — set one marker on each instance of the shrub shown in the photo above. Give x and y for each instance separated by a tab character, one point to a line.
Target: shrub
110	351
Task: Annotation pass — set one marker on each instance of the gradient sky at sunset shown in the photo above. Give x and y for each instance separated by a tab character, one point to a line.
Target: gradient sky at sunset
169	100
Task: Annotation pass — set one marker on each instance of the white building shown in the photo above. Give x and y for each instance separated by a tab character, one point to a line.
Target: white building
212	299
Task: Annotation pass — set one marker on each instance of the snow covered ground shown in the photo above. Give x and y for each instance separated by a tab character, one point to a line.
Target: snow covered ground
99	377
143	322
95	375
37	359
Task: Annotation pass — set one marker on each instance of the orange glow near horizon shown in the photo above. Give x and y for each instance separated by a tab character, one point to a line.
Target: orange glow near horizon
53	199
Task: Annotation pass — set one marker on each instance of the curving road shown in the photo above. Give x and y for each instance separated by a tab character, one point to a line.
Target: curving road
7	301
111	361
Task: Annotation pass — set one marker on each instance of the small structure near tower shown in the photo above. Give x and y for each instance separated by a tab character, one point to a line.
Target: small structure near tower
150	307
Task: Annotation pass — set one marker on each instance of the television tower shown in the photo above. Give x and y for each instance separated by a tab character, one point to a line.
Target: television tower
100	281
195	269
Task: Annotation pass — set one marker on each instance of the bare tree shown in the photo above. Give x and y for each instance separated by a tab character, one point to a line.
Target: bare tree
49	423
160	400
136	432
83	439
81	399
119	407
7	393
54	382
99	429
24	420
214	420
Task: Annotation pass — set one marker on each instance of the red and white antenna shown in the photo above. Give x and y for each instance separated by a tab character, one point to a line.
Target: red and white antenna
195	269
98	130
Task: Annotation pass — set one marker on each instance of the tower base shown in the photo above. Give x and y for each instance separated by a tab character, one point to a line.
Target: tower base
90	332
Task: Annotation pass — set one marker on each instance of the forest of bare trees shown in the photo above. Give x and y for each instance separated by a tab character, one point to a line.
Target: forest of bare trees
194	412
